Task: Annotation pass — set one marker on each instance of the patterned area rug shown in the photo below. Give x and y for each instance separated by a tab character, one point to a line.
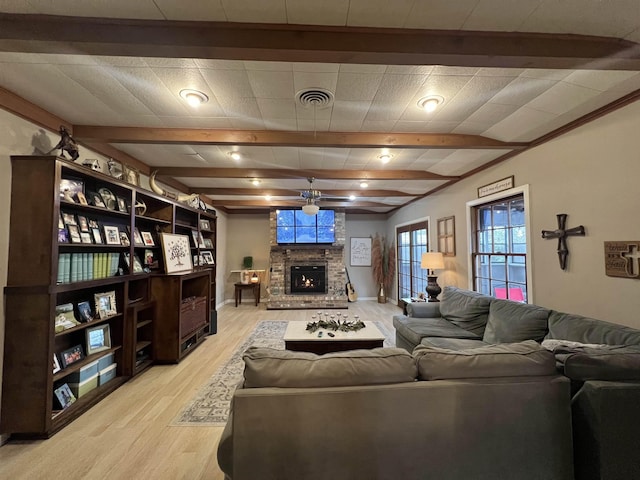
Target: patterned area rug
210	407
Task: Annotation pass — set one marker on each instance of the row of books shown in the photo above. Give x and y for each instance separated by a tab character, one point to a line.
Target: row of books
78	267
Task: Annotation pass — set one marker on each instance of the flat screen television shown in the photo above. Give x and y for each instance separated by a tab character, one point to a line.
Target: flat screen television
295	226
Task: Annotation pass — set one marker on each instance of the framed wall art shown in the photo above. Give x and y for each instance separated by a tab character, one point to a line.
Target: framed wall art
176	252
447	236
360	253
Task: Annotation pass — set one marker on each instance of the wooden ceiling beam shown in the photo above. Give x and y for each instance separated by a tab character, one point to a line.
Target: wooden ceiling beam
293	203
279	138
286	173
311	43
283	192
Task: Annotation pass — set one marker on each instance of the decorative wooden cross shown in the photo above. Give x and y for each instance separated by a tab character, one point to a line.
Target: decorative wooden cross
561	234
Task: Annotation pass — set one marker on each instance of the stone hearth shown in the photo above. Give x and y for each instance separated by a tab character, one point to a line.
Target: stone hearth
283	257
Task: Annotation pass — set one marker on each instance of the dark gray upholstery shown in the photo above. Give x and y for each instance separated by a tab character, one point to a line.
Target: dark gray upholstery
466	309
566	326
514	322
415	329
451	343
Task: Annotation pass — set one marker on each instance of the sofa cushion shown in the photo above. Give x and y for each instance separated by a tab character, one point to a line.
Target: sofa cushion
523	359
452	343
566	326
269	367
466	309
511	322
415	329
584	362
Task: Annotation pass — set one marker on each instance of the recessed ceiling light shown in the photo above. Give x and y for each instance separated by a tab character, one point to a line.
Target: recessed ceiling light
255	181
364	184
385	157
235	155
430	103
194	98
267	197
352	197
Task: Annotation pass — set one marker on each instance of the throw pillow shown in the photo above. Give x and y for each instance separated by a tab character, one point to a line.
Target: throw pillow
511	322
466	309
269	367
521	359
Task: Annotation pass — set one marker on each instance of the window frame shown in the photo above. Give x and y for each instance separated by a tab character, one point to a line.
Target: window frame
489	199
416	225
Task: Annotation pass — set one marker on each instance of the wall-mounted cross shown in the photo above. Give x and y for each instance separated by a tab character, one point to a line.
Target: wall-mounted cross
561	234
632	261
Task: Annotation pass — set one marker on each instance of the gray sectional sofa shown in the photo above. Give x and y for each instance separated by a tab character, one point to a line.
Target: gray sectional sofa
501	412
601	359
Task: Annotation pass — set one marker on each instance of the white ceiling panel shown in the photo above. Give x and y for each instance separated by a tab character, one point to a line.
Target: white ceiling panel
211	10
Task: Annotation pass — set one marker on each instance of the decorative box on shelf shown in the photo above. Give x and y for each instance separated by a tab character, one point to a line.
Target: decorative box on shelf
84	387
107	374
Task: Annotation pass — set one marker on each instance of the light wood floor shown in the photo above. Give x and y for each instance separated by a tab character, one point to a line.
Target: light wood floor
127	435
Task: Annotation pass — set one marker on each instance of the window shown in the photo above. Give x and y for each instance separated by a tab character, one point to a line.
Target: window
412	242
499	250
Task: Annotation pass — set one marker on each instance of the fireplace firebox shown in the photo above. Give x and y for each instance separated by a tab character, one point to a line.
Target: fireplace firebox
308	279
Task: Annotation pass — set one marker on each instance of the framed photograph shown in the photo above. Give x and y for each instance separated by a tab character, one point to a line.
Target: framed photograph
360	254
69	218
124	239
122	204
84	312
74	234
105	304
64	395
97	236
85	237
207	258
137	265
198	240
98	338
204	224
81	198
63	235
69	189
137	238
72	355
56	364
147	238
176	252
95	199
108	198
65	317
208	243
115	168
112	235
131	175
83	223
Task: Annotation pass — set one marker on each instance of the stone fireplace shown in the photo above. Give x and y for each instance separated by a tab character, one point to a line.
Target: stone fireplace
321	265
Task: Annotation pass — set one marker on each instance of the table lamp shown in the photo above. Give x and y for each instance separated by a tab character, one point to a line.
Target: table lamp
432	261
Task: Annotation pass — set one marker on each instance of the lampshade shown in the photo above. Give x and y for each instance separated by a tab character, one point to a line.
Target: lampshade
432	260
310	209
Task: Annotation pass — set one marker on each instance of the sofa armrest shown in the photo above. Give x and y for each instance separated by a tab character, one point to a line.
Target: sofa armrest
423	309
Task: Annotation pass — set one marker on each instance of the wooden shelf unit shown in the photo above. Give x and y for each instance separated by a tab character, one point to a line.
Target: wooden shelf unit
172	341
34	289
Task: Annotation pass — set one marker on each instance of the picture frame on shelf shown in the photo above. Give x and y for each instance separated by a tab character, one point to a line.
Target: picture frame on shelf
147	238
122	204
105	304
83	223
207	257
98	338
56	364
124	238
198	240
97	236
204	224
112	235
208	243
176	252
95	199
69	218
85	237
137	265
71	356
82	200
63	235
131	175
65	317
84	312
74	234
64	395
69	188
137	238
108	198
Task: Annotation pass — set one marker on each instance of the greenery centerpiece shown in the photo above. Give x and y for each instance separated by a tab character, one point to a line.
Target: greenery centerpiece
335	325
383	265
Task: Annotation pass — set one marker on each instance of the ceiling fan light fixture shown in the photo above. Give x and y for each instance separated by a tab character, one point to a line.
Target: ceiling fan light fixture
310	208
194	98
430	103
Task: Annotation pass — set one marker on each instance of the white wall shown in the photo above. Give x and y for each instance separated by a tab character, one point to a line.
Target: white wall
363	226
593	175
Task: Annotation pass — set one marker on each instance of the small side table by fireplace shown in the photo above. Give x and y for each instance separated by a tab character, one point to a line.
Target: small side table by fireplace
239	287
297	338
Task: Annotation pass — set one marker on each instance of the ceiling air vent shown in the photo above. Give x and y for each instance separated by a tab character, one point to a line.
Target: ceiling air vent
315	97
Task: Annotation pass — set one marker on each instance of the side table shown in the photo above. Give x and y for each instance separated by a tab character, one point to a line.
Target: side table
239	287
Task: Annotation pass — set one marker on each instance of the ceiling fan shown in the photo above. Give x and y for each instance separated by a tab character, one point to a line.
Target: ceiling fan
312	196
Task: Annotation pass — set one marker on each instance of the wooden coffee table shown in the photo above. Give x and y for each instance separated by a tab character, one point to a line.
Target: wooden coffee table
297	338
